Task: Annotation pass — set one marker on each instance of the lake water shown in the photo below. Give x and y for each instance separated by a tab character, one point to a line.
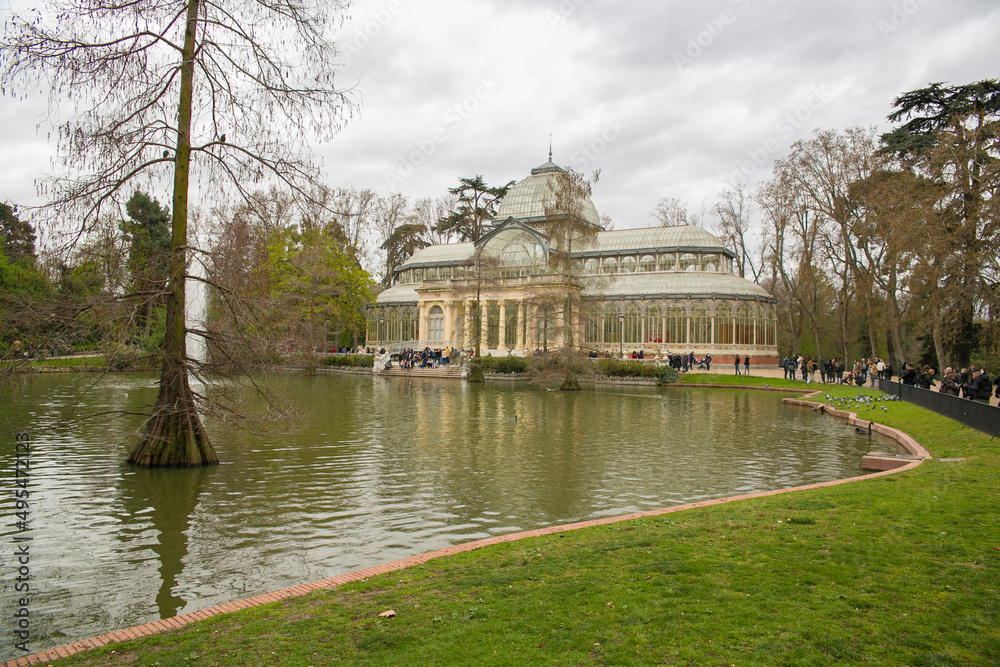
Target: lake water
380	469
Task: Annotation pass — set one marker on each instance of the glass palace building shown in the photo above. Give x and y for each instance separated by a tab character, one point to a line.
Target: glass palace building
660	290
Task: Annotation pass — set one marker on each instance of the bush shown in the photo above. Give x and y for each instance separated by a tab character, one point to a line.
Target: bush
625	368
350	360
667	375
507	365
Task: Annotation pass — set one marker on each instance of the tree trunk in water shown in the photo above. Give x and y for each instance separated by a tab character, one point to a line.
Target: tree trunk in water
174	435
570	383
475	373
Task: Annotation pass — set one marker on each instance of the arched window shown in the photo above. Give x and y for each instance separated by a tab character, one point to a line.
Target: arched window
761	326
520	258
592	332
394	331
610	265
493	326
633	325
612	327
688	262
372	331
591	267
744	325
668	262
676	325
710	263
445	272
701	325
510	325
418	275
647	264
435	324
772	326
654	324
382	315
724	325
628	265
408	325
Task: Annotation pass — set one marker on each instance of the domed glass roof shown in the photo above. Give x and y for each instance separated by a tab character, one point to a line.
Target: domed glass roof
529	197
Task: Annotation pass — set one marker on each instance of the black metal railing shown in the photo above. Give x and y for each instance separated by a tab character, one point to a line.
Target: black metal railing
974	414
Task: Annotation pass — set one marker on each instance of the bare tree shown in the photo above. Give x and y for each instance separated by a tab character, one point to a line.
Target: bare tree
170	89
733	211
670	212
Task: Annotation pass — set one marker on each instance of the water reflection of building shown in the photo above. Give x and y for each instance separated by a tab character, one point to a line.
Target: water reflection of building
661	289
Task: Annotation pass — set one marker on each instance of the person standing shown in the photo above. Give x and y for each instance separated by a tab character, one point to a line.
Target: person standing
980	387
746	365
708	362
948	385
737	364
811	367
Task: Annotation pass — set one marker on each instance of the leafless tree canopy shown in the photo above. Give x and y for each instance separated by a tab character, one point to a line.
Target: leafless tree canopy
263	81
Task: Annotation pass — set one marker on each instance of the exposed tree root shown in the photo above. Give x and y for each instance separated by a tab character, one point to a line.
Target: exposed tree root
174	436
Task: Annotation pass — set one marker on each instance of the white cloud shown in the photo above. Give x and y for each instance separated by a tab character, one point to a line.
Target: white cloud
681	131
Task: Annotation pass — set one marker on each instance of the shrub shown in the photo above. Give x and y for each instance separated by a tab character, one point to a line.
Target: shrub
625	368
350	360
667	375
506	365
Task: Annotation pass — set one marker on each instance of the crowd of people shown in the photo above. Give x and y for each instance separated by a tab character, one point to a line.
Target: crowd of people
972	383
425	358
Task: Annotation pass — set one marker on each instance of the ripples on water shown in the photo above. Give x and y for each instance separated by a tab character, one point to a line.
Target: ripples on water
383	468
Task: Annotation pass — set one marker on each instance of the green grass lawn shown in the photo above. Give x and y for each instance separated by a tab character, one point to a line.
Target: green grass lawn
747	380
72	362
896	570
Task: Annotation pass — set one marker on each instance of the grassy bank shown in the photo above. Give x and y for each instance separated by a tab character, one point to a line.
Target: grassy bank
897	570
96	361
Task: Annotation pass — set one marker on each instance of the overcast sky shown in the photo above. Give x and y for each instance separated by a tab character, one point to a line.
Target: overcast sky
667	99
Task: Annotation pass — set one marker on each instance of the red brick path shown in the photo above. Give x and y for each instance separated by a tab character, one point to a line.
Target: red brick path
156	627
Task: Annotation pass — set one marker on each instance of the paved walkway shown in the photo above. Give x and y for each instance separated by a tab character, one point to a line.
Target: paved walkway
164	625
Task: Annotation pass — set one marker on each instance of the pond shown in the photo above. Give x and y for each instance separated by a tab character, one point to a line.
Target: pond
380	469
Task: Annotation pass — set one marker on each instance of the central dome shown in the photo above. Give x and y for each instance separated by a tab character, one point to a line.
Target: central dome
529	197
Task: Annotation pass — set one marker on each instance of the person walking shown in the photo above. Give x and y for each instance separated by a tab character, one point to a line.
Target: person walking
737	364
746	365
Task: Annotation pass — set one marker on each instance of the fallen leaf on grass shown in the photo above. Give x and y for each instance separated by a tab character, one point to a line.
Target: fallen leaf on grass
388	613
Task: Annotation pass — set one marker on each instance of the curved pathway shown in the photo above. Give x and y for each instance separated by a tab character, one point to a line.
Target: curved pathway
156	627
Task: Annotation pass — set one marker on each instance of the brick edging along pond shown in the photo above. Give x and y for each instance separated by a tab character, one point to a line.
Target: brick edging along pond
156	627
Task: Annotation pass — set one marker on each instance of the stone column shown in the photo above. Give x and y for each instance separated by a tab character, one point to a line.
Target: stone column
421	322
502	338
449	315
